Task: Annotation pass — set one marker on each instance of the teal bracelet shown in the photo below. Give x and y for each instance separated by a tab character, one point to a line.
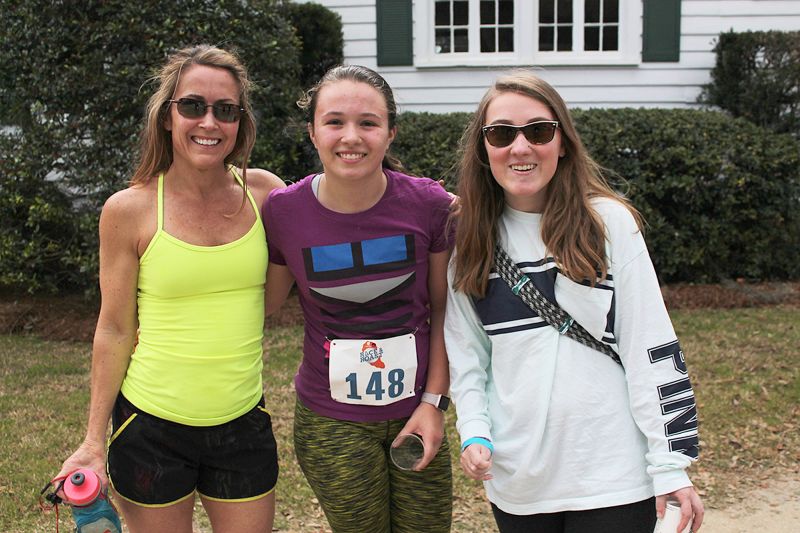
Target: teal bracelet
478	440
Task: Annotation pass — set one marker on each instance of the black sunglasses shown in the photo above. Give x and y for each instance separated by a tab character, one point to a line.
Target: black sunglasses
539	132
192	108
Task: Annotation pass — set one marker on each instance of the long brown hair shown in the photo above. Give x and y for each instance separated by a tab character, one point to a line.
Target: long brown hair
155	143
571	229
358	74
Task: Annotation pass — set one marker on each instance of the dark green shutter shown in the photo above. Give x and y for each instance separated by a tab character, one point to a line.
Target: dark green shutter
394	31
662	30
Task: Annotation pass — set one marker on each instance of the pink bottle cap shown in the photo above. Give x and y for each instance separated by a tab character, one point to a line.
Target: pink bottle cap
81	487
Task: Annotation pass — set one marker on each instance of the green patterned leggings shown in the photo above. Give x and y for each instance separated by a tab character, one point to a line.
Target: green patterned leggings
347	465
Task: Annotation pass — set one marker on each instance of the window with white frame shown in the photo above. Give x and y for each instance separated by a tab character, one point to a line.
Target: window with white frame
496	26
526	32
451	26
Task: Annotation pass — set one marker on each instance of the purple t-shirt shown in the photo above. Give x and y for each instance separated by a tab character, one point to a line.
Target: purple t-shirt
359	276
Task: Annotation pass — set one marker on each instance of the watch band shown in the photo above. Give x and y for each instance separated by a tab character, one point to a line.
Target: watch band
440	401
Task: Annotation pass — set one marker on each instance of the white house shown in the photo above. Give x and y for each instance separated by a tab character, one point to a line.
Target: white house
441	55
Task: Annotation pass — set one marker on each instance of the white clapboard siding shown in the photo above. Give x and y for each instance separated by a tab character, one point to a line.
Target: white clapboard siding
723	8
655	84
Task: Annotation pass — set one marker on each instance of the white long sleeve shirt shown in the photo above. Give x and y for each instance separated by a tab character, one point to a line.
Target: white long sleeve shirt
572	429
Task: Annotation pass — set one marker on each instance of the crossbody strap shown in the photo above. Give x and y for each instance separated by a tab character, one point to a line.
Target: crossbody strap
550	312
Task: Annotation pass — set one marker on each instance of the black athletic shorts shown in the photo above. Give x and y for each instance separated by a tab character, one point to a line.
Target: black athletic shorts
155	462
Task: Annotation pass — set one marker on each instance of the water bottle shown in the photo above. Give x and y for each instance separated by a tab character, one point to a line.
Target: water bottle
91	509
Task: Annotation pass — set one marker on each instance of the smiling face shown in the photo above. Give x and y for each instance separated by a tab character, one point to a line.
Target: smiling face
204	142
350	130
522	169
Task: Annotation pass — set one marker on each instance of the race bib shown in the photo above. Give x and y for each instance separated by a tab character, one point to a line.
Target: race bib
373	372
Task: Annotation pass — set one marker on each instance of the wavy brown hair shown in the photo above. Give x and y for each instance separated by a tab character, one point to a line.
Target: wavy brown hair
155	142
571	230
358	74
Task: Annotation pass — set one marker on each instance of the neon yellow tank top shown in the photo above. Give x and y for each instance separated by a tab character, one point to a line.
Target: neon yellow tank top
201	322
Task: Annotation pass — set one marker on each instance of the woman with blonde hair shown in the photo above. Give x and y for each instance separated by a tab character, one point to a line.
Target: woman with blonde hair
573	401
177	354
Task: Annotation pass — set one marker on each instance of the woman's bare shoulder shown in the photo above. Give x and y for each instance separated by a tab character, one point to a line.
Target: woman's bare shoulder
131	208
130	200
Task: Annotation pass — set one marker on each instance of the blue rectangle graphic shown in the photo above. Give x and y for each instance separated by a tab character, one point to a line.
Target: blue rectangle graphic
384	250
332	257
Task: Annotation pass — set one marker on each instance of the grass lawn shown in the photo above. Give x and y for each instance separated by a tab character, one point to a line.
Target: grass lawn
744	364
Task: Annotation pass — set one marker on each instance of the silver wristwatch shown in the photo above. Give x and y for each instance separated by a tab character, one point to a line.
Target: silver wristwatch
439	401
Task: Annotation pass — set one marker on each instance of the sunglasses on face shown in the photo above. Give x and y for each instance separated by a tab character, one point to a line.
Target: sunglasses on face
502	135
192	108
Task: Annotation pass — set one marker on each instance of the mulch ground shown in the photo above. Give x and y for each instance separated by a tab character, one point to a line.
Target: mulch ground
72	317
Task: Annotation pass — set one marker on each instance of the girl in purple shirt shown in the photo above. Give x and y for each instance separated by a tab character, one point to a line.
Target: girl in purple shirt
367	246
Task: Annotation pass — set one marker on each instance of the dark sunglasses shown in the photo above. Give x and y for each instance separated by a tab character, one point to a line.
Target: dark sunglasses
192	108
539	132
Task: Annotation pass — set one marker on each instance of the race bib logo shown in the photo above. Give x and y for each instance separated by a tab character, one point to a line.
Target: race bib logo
371	353
362	372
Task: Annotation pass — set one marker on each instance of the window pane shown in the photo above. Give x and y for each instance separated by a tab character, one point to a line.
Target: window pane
591	38
592	11
487	13
610	38
487	40
610	10
565	10
460	41
442	41
564	39
506	12
460	13
506	40
442	13
546	37
547	11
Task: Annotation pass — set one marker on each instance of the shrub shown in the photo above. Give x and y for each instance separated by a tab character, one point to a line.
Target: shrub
44	244
319	31
721	196
72	81
427	143
757	76
321	41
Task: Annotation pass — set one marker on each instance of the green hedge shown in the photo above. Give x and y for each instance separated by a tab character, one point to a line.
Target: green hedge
427	143
71	81
757	76
45	243
721	196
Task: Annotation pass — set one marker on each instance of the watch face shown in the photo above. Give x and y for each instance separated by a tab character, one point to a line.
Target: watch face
444	402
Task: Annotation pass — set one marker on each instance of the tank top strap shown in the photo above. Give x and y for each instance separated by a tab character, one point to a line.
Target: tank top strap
160	204
247	190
